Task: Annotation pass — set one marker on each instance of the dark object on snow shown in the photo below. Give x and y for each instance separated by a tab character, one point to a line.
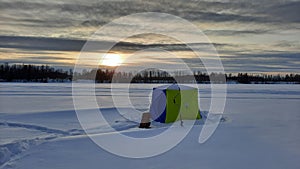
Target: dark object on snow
145	125
145	122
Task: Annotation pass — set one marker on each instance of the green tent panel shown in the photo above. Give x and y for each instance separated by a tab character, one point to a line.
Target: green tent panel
174	102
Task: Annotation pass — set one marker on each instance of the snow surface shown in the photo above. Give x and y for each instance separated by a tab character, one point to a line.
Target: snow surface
39	129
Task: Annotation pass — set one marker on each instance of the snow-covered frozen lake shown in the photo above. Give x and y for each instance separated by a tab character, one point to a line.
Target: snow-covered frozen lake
39	129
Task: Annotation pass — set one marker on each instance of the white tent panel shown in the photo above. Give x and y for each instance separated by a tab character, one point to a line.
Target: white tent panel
158	103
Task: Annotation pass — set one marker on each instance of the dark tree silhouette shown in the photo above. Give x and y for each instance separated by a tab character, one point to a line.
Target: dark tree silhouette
32	73
44	73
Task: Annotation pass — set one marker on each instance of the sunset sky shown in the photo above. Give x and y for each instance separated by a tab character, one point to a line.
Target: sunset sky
250	36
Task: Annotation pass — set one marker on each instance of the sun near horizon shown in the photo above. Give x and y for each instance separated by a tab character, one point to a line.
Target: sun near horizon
111	59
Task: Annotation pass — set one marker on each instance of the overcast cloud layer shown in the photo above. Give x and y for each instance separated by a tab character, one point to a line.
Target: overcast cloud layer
256	36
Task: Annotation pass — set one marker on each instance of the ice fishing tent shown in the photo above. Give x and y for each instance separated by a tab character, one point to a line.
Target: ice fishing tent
174	102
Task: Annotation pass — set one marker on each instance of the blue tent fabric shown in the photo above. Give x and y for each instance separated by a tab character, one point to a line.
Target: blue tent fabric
162	117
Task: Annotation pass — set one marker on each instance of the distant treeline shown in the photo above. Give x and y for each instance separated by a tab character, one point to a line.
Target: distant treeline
157	76
44	73
32	73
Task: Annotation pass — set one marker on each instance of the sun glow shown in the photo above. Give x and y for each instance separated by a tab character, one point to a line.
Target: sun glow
111	59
